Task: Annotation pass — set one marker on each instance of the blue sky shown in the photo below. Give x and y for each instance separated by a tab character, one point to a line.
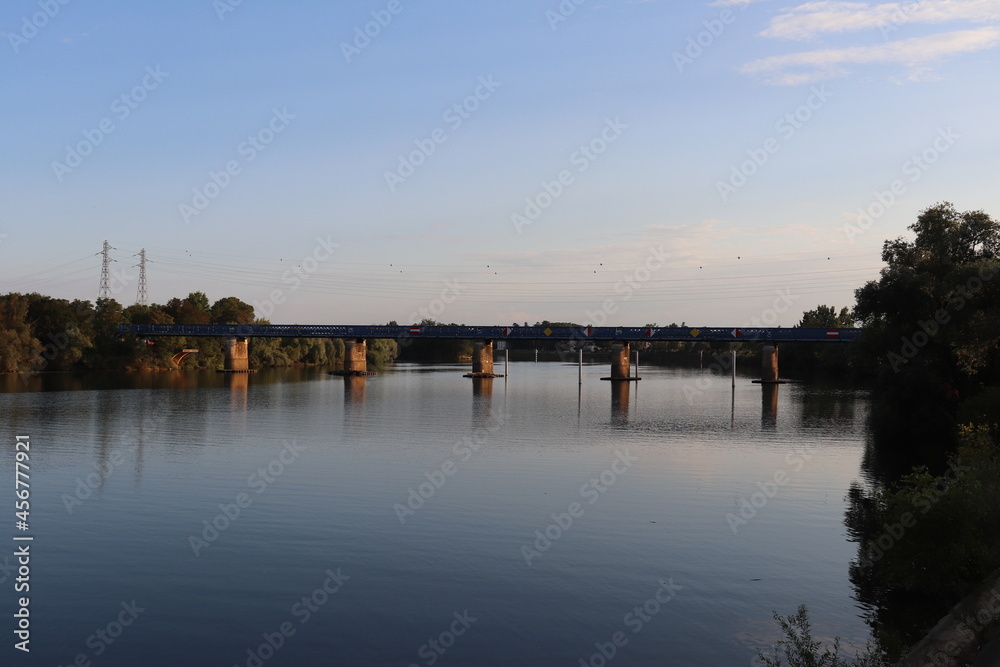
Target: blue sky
625	160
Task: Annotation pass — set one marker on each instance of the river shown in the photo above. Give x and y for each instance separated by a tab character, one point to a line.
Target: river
295	518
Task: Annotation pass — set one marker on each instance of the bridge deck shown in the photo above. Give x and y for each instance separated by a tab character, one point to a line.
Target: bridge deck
653	334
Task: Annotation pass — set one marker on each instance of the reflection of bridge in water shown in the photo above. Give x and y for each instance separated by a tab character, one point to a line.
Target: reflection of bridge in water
621	339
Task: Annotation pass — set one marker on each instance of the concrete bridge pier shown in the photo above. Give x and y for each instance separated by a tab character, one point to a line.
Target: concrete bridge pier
769	365
482	360
237	355
355	356
621	363
355	359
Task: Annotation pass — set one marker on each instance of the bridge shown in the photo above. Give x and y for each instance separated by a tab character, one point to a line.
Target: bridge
355	337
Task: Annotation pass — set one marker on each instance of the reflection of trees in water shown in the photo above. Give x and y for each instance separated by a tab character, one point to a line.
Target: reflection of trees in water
828	404
924	539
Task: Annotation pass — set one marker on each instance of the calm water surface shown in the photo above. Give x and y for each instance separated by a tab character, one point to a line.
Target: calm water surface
422	494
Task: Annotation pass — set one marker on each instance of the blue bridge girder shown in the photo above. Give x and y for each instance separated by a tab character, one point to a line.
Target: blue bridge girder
581	333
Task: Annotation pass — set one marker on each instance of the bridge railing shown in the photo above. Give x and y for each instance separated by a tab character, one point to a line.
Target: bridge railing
582	333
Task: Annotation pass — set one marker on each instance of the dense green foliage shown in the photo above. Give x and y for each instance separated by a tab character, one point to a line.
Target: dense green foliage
931	319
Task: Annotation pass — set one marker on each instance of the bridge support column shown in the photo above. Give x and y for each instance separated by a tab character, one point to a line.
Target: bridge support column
769	364
482	357
482	360
237	355
621	363
355	356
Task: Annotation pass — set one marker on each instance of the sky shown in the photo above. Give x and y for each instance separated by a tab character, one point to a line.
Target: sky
619	162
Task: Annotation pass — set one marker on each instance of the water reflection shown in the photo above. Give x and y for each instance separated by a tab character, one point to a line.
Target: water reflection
769	405
238	384
620	403
355	387
482	401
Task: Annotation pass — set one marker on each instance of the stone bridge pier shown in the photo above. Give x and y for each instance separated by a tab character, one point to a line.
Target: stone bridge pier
355	359
237	351
356	356
482	360
769	365
621	366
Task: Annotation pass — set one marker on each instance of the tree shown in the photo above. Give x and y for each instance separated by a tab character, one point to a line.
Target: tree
192	310
826	317
65	329
19	349
932	317
198	300
230	310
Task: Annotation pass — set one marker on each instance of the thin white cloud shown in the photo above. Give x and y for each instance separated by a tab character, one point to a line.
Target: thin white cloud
827	16
917	54
733	3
